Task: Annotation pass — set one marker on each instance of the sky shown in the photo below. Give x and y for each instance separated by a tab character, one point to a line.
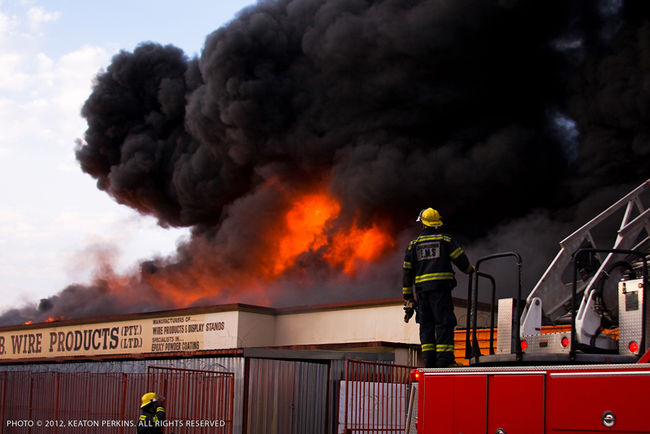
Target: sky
54	222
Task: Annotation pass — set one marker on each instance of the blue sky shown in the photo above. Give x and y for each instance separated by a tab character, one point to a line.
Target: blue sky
54	223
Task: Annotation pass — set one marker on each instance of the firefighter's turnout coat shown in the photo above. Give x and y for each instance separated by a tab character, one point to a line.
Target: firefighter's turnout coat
151	419
428	262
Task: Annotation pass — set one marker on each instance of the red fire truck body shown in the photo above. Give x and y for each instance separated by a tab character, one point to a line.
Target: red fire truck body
535	400
593	378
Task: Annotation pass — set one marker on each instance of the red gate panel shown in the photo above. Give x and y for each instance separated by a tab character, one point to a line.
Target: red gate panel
109	403
376	397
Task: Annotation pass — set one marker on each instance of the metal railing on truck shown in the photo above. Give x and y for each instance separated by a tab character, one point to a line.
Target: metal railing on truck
472	349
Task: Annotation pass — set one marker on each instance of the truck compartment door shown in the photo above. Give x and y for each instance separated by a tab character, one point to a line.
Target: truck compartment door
453	404
516	404
472	403
598	402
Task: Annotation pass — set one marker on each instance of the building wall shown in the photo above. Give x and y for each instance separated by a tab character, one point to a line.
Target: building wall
350	325
213	328
255	329
375	327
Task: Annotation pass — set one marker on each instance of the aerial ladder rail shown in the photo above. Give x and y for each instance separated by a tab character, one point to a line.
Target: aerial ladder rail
551	290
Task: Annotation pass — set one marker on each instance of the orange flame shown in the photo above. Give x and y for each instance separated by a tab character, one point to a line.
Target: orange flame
310	225
27	322
186	286
306	224
357	245
309	229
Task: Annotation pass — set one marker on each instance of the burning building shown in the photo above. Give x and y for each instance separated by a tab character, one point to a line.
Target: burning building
251	369
301	144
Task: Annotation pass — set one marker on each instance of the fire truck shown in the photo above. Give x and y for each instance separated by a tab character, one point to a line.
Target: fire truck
572	357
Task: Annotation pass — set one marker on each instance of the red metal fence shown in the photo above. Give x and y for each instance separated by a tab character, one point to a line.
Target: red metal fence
376	397
103	403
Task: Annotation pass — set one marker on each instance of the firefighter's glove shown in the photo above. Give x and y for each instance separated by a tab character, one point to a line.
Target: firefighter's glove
410	306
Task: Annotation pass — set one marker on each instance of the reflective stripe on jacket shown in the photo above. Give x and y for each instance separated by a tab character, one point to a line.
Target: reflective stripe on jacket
428	262
151	419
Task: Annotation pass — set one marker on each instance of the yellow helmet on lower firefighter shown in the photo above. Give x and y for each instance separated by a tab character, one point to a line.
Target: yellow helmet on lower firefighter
148	398
430	217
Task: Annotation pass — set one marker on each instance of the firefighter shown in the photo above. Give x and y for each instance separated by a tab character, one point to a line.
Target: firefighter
152	414
428	268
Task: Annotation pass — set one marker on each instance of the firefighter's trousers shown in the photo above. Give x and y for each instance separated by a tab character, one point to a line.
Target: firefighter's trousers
437	323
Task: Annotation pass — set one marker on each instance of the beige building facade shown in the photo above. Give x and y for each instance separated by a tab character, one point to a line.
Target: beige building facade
361	326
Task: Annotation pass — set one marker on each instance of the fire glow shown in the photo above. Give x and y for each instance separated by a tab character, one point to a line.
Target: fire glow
305	226
308	237
310	227
308	233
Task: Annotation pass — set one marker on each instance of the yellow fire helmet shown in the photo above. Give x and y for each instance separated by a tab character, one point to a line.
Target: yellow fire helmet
430	217
148	398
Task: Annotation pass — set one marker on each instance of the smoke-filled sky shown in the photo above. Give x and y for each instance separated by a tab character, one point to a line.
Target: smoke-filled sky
298	147
53	221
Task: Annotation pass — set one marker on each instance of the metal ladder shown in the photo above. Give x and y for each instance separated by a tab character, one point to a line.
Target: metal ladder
549	297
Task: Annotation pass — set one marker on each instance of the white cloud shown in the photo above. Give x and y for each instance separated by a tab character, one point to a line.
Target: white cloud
45	95
43	214
36	16
49	210
74	73
8	25
12	75
15	225
83	221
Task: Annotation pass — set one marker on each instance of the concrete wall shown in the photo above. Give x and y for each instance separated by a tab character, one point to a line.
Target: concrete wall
346	325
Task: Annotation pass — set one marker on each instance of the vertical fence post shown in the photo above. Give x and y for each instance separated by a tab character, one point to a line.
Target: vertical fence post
358	373
89	399
345	403
57	395
4	400
231	414
30	401
123	403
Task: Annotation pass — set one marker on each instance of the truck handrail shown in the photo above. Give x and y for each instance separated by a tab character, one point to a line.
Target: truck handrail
475	350
472	304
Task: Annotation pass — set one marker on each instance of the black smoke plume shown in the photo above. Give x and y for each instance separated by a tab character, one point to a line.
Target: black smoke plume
494	112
